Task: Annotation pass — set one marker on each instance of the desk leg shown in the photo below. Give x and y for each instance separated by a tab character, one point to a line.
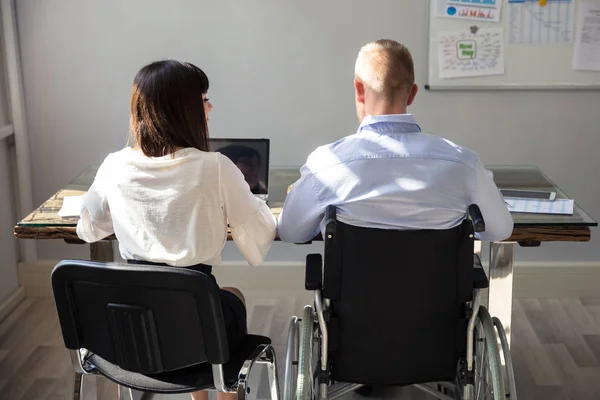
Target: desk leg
477	247
101	251
501	283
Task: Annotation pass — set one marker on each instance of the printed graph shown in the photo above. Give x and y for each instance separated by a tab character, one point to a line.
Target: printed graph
474	2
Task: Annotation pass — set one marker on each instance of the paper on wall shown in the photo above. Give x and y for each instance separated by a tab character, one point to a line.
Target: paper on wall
529	22
465	54
587	38
477	10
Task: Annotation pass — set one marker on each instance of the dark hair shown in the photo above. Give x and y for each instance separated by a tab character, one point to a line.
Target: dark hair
167	108
236	151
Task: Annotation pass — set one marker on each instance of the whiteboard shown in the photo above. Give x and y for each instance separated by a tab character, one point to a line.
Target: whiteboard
527	66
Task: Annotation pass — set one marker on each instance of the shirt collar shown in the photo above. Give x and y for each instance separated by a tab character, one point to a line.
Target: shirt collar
404	119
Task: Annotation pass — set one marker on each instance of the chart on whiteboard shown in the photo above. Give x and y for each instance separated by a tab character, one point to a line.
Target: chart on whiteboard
529	22
479	10
466	54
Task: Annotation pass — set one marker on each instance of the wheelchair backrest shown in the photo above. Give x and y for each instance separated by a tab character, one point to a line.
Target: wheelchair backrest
145	319
397	298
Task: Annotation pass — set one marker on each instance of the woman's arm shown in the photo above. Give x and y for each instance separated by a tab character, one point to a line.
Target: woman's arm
252	222
95	221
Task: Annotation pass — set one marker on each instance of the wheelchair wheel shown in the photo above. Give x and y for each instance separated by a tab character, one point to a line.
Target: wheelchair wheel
508	365
305	384
488	381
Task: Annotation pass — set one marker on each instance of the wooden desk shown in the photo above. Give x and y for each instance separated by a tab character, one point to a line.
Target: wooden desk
530	229
44	223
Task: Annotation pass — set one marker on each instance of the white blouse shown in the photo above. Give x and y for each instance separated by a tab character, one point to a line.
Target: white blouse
175	209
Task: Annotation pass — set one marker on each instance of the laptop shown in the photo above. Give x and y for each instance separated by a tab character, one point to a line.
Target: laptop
251	156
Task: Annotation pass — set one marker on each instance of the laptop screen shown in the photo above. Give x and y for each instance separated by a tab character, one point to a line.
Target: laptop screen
252	158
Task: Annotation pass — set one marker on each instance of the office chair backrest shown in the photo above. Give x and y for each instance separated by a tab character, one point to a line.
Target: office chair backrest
145	319
397	302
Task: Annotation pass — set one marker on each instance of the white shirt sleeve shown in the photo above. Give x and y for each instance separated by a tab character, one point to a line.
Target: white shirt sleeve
498	221
252	223
302	211
95	221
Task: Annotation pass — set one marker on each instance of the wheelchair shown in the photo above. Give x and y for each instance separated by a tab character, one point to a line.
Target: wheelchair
398	308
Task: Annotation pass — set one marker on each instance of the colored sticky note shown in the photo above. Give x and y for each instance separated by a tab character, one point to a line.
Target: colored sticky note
543	2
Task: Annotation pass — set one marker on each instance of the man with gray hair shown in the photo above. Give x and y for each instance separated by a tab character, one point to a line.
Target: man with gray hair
389	175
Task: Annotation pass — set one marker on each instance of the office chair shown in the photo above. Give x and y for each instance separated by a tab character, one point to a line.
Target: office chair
152	329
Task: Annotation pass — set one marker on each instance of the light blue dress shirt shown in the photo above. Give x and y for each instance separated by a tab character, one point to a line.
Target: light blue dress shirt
389	175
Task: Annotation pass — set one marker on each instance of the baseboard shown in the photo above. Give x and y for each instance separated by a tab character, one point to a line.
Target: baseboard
11	302
557	280
287	276
531	279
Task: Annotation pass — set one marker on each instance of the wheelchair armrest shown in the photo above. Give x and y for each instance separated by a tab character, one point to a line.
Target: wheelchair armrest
330	220
314	272
480	279
477	218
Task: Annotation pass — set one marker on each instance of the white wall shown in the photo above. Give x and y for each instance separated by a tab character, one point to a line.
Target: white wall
278	69
3	87
8	248
8	244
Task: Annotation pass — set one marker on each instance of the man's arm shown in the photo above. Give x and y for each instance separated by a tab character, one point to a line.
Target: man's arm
498	221
302	211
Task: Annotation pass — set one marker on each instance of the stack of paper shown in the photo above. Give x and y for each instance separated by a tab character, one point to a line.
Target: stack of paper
560	206
71	206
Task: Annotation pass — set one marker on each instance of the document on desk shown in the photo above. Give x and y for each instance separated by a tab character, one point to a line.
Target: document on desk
587	42
559	206
71	206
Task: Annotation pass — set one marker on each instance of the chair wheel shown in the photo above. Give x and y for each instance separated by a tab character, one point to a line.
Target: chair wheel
365	391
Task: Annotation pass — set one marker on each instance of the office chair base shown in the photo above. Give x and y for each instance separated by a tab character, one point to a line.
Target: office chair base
130	394
264	354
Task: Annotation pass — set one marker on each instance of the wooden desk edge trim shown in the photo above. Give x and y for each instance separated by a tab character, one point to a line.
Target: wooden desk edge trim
551	234
539	234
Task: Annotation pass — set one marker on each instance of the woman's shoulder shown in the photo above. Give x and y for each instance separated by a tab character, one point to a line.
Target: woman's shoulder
115	159
225	164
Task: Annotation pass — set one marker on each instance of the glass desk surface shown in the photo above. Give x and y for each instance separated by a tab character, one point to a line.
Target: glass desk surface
506	177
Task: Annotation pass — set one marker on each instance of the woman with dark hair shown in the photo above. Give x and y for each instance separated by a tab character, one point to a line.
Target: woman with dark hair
167	198
247	160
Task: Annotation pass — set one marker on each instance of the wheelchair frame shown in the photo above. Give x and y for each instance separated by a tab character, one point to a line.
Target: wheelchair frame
503	382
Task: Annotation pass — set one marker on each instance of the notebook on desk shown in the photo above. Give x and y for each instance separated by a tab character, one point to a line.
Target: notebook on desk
558	206
251	156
